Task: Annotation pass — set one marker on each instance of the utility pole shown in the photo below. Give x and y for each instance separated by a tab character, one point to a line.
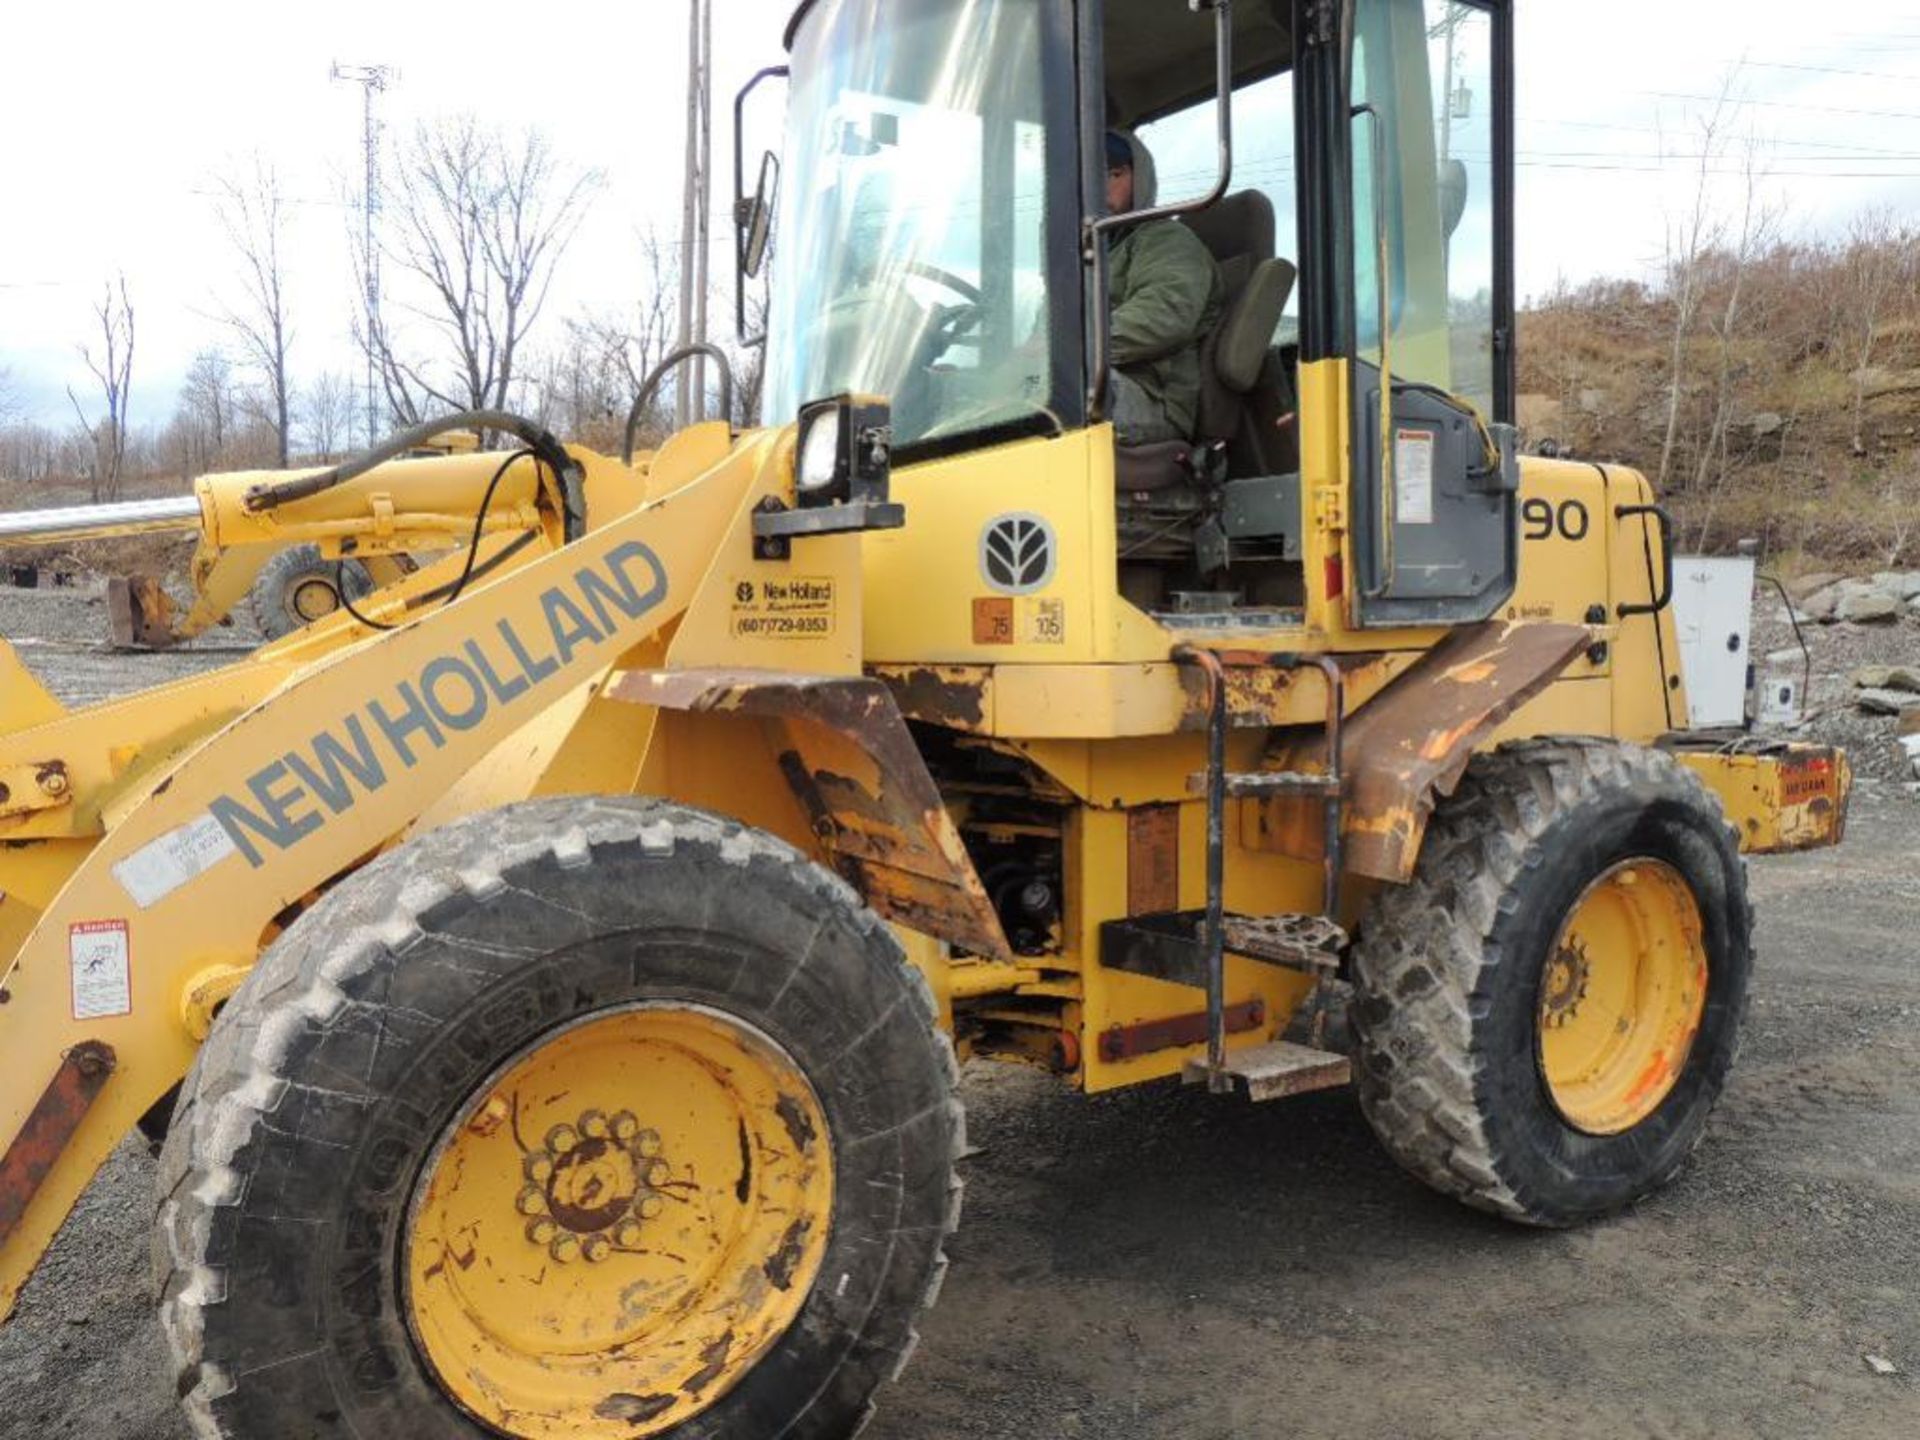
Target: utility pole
694	245
372	80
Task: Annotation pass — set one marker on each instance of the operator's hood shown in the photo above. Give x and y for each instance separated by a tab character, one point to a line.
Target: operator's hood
1146	175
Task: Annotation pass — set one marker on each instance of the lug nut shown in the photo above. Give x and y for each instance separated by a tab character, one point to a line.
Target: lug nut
647	1142
565	1249
593	1125
531	1201
658	1173
595	1249
629	1232
561	1139
538	1168
541	1231
625	1127
651	1206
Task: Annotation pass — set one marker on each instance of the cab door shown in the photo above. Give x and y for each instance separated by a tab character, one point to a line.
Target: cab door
1433	499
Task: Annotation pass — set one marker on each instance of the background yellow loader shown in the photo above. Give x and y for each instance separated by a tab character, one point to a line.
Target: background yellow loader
550	983
297	563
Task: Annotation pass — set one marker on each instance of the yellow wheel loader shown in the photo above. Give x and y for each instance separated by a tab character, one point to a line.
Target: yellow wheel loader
550	989
296	564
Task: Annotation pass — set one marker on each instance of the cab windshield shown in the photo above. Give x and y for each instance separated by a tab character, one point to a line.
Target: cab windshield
910	258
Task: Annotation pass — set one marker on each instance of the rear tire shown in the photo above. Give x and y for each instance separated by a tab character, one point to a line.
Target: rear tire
1463	975
310	1137
291	589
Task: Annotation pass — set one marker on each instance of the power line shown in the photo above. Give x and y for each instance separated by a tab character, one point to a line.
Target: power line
1829	70
1736	103
1527	122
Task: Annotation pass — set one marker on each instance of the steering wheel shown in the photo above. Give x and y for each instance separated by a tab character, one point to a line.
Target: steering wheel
946	326
965	289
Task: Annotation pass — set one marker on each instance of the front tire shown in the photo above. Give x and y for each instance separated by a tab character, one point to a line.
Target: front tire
1546	1015
299	586
579	1118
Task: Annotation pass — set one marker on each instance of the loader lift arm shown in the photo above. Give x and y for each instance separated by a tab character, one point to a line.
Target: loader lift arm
214	851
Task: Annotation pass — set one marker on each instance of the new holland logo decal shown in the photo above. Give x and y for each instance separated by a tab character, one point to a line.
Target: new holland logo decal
1018	554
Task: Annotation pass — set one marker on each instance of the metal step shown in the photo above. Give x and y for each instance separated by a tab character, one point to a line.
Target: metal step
1171	945
1299	942
1269	784
1273	1072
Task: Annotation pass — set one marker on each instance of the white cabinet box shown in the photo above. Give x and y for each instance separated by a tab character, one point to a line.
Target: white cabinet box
1713	610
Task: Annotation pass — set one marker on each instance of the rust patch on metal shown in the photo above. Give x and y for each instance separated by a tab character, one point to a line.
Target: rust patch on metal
799	1124
1261	693
139	613
1153	859
633	1409
939	695
713	1363
83	1073
1410	744
1125	1042
786	1256
888	833
743	1187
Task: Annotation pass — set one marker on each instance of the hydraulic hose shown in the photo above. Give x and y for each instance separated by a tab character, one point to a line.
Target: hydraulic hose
660	372
537	439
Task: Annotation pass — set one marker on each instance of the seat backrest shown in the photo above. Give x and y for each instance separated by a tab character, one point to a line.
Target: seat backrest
1239	230
1236	352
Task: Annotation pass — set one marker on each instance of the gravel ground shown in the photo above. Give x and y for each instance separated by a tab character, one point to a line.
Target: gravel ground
1161	1264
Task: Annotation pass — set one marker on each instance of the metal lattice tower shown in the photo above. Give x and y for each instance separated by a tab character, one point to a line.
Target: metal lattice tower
373	81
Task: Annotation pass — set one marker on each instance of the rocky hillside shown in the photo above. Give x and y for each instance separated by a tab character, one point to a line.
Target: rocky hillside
1773	396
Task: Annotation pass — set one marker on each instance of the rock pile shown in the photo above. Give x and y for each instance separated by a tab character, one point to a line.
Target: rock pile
1880	599
1893	690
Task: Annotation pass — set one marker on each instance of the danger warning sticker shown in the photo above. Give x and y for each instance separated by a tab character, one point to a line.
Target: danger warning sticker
99	956
786	609
1413	476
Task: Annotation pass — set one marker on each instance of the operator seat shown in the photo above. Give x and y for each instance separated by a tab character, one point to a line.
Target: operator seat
1239	230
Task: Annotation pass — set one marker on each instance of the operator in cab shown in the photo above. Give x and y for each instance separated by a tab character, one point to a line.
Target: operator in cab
1167	296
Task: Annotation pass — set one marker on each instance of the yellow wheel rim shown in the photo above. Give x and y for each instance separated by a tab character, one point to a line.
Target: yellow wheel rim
314	599
1621	997
619	1225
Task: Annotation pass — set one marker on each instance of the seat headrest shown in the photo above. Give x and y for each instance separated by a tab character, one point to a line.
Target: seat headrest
1240	224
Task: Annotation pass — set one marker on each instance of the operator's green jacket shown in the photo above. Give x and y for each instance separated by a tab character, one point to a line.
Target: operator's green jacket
1167	296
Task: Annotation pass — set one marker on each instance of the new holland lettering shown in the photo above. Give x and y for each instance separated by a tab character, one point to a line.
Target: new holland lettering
355	756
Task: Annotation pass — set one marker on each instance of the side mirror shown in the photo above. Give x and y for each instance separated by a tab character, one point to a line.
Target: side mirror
755	217
752	219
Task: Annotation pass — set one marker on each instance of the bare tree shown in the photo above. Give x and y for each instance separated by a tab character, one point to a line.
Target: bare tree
9	397
205	418
1729	324
252	213
1877	261
1688	243
113	369
480	224
329	406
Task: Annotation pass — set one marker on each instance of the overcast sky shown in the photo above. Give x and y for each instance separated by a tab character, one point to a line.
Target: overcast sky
116	115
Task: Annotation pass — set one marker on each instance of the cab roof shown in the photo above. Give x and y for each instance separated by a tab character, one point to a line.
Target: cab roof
1160	55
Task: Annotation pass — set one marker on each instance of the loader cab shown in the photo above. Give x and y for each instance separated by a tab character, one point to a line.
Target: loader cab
943	243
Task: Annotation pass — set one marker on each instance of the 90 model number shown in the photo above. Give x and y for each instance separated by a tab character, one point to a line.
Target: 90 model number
1542	520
